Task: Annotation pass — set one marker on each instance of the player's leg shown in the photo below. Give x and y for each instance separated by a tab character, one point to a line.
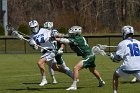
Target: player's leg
97	75
115	82
62	64
77	67
89	62
136	77
44	59
116	76
55	67
41	66
52	75
53	64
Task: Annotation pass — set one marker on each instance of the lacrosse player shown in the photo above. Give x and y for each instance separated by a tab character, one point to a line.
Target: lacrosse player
42	37
79	45
59	48
128	51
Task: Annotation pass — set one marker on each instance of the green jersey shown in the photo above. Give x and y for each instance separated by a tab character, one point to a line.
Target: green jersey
58	57
79	45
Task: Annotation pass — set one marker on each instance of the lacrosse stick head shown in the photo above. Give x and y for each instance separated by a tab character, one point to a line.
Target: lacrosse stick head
102	47
14	33
9	29
17	35
97	50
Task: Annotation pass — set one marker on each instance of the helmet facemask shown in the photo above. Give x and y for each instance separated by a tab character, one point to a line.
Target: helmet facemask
35	29
48	25
34	26
75	30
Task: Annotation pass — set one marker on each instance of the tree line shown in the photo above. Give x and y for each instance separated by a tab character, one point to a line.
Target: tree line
95	16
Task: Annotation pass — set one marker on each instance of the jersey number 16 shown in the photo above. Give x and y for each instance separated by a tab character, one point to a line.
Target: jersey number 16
134	49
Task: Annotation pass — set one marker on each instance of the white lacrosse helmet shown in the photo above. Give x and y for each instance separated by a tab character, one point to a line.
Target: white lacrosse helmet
127	30
34	26
75	30
48	25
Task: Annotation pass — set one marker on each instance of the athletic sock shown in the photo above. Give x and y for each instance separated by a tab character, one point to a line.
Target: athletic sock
100	79
114	91
44	78
74	84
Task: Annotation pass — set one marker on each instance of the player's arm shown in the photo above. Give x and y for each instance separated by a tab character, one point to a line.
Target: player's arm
33	44
118	56
56	34
61	49
115	58
63	40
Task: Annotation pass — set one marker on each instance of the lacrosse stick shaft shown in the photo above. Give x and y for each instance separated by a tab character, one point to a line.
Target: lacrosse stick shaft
37	45
23	34
18	36
111	46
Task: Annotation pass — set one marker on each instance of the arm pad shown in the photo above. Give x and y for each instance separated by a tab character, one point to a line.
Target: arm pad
64	40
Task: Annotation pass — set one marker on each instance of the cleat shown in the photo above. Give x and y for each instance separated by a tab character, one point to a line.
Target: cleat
54	82
43	83
134	80
72	88
101	84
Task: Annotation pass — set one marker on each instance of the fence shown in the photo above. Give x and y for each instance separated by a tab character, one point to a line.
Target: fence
13	45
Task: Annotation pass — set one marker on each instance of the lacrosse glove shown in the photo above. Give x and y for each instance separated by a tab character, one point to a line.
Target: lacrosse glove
60	51
115	58
33	44
20	37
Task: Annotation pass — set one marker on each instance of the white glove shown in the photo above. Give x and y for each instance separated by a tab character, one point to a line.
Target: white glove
20	36
60	51
111	56
35	47
33	44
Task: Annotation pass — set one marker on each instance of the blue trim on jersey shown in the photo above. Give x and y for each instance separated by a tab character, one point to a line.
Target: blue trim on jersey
130	71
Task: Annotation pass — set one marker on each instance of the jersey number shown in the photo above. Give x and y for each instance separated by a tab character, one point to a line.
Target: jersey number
41	40
134	49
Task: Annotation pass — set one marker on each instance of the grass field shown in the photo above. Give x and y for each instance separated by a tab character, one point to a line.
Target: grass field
19	74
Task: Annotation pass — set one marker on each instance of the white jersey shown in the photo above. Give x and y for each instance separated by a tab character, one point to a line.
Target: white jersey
43	38
129	51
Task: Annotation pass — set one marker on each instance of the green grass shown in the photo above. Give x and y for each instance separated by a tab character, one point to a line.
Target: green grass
19	73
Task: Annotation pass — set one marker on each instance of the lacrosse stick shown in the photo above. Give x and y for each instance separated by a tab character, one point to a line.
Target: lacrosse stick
98	50
17	35
103	47
10	29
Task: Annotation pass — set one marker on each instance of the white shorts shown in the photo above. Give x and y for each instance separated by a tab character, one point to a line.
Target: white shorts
125	75
49	57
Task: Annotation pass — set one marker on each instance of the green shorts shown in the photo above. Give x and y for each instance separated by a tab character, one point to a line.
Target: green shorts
59	59
89	61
